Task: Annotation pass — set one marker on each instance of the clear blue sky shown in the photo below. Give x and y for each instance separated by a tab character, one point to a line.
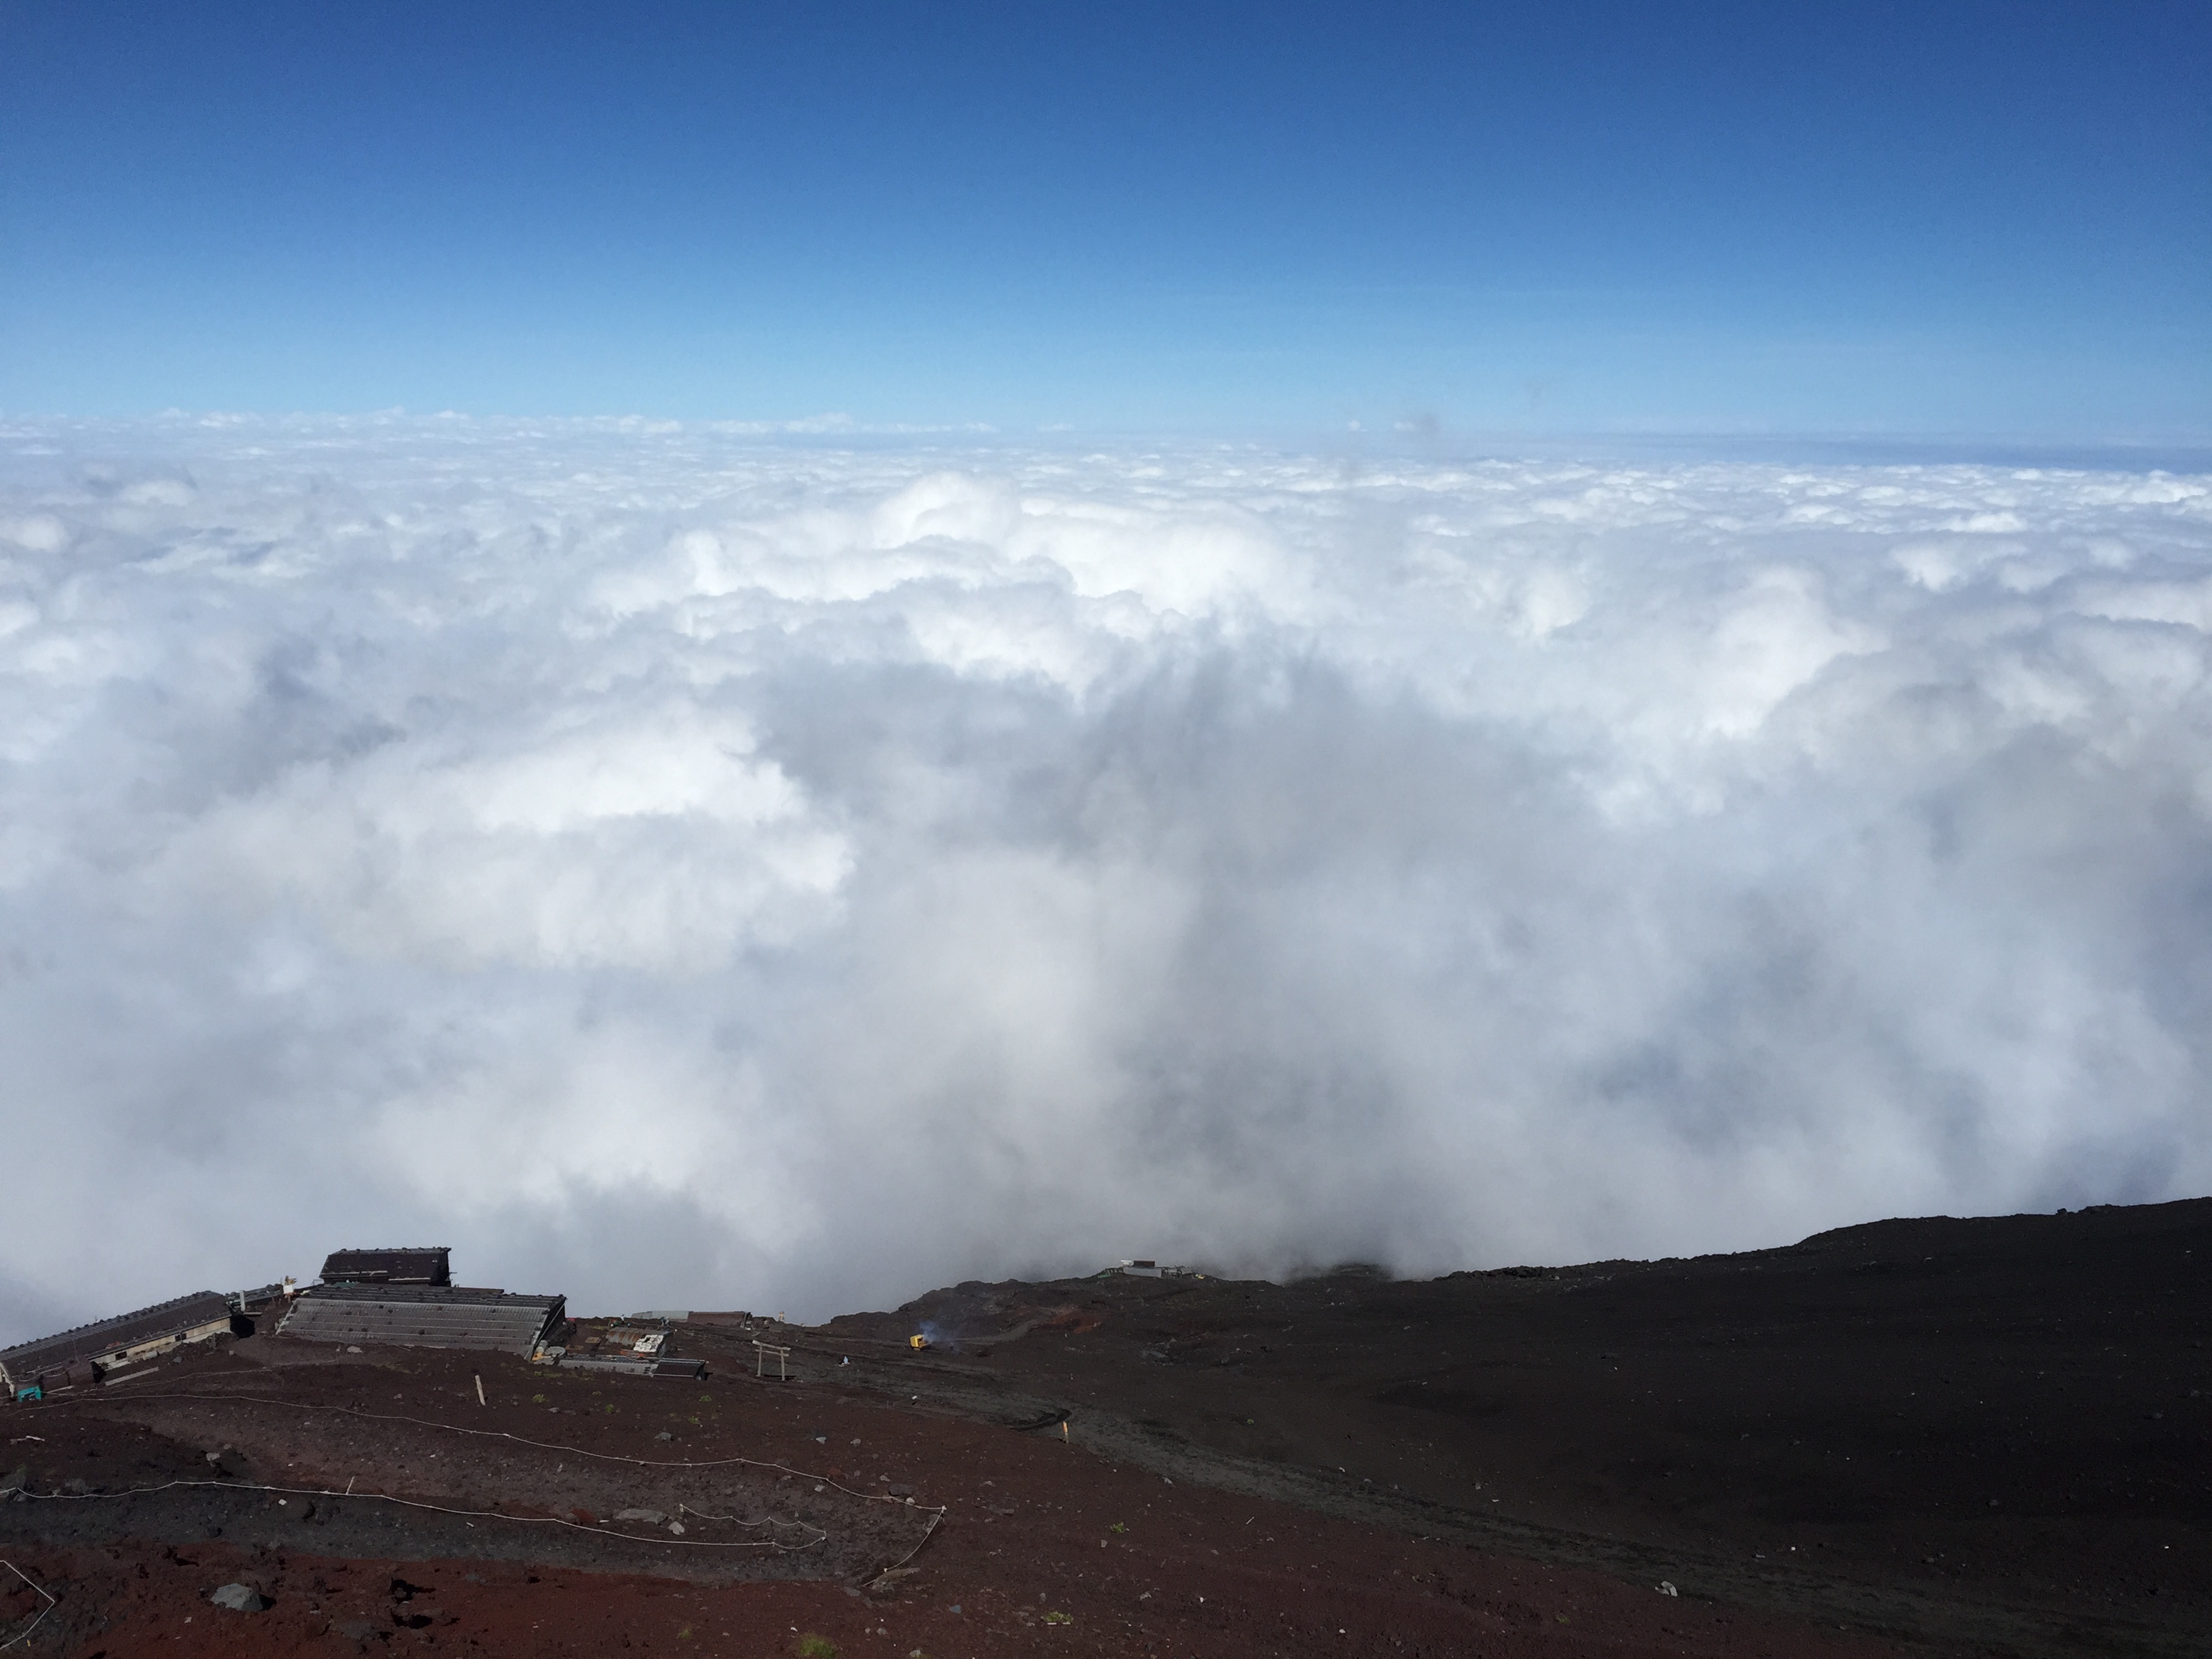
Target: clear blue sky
1780	217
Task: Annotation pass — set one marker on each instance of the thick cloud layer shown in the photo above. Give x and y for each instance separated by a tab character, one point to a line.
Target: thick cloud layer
682	871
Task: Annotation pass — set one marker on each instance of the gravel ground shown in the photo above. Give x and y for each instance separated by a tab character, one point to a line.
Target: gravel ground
1802	1444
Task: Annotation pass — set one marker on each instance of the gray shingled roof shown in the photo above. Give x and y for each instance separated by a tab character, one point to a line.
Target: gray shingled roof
421	1316
59	1351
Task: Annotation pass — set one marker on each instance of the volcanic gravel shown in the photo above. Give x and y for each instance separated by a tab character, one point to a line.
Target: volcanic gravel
1804	1445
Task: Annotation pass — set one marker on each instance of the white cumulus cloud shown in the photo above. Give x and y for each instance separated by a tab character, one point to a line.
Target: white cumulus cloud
676	865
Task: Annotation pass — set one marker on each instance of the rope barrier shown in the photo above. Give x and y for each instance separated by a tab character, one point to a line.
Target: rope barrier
24	1635
929	1531
552	1445
820	1537
936	1512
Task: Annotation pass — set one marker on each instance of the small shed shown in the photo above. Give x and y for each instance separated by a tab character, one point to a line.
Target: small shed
429	1264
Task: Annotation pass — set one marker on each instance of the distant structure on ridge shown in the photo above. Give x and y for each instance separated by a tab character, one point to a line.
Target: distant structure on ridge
429	1265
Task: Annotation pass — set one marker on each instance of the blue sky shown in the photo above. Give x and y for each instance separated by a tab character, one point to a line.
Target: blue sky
1931	219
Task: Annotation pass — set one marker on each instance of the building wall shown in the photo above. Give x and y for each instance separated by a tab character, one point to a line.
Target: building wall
154	1346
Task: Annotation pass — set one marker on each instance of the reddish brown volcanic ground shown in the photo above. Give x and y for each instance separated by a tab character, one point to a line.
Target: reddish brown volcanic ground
1959	1436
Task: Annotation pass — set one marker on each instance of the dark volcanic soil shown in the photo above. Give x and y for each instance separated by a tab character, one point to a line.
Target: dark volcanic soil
1992	1432
1961	1436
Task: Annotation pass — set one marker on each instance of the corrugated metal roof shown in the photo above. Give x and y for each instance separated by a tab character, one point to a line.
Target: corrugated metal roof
399	1264
59	1352
634	1364
423	1316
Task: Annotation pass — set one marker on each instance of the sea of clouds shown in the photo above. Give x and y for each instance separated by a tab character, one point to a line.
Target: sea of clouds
683	868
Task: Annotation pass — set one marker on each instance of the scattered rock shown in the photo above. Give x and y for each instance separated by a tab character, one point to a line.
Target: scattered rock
664	1435
1667	1588
239	1598
651	1517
